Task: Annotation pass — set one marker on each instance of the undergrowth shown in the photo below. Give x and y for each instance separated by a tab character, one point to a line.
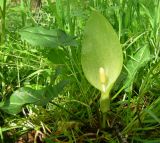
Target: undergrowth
74	115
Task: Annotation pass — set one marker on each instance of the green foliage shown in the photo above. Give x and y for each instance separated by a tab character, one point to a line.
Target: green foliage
33	76
27	95
136	62
101	49
46	38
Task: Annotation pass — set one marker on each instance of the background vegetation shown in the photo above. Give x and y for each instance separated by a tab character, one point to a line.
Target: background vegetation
66	107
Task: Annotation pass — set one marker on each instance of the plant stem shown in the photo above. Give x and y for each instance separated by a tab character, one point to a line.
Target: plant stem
103	123
104	107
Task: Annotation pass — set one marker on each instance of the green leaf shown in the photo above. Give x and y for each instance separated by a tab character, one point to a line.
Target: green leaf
101	57
39	36
50	93
66	40
27	95
138	60
101	48
55	55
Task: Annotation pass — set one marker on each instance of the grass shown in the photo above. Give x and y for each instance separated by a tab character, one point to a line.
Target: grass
74	115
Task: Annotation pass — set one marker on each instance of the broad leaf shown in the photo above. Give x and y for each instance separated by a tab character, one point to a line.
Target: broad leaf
27	95
101	57
39	36
135	62
66	40
55	55
20	97
101	49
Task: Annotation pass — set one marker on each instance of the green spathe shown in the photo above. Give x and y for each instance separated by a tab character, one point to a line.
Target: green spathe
101	49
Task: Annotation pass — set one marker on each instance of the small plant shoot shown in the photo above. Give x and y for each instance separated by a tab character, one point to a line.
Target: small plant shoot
101	57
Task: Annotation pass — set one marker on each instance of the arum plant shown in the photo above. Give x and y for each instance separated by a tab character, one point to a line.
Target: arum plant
101	58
